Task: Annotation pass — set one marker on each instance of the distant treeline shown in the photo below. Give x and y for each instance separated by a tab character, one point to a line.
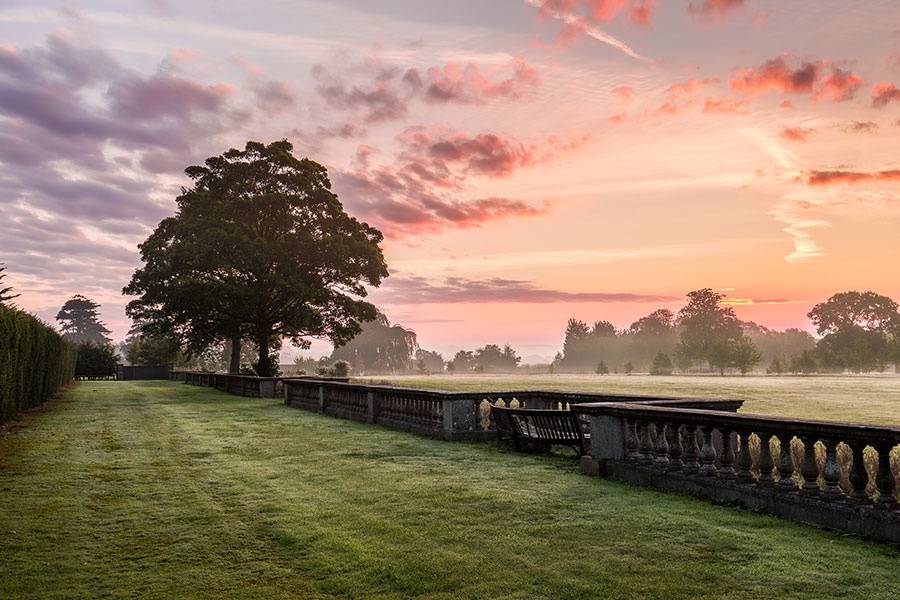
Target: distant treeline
859	332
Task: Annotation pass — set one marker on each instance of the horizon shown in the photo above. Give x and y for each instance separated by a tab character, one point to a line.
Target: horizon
525	168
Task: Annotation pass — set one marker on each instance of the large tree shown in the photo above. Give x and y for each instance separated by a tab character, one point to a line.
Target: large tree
187	290
269	250
860	330
79	321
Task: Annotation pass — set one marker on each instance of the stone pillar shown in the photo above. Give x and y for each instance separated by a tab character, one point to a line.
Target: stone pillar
373	407
607	438
321	398
459	418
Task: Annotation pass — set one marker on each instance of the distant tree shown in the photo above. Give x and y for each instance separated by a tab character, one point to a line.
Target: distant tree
804	362
659	322
859	330
6	294
79	321
292	264
140	349
602	369
744	355
778	344
603	329
492	359
662	364
340	369
95	360
776	367
709	329
380	348
428	361
463	362
628	368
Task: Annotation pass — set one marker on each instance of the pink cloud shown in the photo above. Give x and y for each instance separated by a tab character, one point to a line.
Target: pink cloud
416	191
862	127
419	290
713	10
467	84
687	89
838	86
725	106
821	80
625	92
386	91
883	93
796	134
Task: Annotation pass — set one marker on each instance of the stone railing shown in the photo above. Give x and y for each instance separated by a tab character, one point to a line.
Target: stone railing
243	385
827	474
446	415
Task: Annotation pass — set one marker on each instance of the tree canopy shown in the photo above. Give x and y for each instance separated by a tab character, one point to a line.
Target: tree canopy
259	247
79	321
379	348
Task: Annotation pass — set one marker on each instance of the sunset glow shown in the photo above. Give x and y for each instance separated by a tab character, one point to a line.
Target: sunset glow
528	161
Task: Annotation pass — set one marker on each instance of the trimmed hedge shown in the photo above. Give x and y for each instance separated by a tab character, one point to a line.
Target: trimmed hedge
35	361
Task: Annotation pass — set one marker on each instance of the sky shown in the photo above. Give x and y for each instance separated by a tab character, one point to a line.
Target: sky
527	160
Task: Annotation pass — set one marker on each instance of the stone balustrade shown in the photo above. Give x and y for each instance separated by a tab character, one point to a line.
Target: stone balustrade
242	385
828	474
447	415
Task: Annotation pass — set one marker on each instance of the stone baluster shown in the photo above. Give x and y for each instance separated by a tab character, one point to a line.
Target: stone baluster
661	449
646	442
832	471
726	457
631	442
786	464
707	453
676	450
745	459
809	468
884	479
765	462
691	450
859	477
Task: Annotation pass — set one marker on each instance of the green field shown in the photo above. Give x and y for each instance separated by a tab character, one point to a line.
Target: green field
162	490
861	399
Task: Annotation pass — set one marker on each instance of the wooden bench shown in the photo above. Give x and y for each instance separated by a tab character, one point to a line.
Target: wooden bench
528	428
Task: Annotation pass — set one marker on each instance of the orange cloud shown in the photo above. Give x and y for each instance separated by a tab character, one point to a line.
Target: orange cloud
625	92
839	177
796	134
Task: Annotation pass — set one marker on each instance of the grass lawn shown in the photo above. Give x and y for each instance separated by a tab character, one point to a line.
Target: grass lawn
164	490
861	399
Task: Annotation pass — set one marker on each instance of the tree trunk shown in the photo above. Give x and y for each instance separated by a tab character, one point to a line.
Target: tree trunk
264	369
235	366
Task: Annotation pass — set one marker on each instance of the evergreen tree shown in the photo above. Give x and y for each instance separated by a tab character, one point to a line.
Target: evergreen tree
79	321
5	292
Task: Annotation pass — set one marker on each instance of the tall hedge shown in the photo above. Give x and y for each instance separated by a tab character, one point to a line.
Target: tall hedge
35	361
